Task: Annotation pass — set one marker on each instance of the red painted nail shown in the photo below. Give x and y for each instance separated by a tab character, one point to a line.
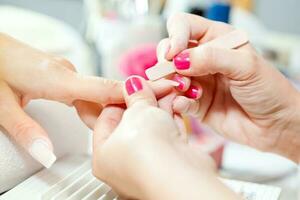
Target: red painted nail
193	92
179	79
182	60
133	85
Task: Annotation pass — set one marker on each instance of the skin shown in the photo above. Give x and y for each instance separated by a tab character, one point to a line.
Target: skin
244	97
125	154
27	73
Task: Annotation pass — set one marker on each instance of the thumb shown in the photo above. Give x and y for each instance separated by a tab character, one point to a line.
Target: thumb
138	91
25	131
206	60
106	123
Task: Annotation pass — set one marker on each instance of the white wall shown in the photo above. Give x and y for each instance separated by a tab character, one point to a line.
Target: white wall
281	15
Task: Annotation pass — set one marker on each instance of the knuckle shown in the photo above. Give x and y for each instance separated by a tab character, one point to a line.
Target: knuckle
21	129
224	27
112	121
66	63
175	17
208	56
48	63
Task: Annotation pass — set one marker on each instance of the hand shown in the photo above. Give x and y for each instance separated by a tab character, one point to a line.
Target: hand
141	154
26	73
244	97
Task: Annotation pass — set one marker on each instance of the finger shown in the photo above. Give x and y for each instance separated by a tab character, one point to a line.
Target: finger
65	63
25	131
106	91
198	108
187	106
100	90
62	83
88	112
183	82
200	61
195	91
137	90
183	27
163	48
106	124
97	89
162	87
165	102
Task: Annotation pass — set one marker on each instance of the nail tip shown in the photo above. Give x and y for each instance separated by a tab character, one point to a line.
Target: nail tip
182	61
41	152
133	84
50	162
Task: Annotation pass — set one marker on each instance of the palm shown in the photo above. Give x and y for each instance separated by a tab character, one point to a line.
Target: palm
227	116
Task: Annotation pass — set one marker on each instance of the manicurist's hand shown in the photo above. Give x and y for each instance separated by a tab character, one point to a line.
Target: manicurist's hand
27	73
140	152
243	96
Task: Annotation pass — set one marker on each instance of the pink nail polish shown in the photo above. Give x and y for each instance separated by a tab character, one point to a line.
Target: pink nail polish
193	92
133	85
182	60
179	79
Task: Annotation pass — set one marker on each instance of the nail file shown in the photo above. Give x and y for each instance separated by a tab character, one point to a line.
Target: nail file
231	40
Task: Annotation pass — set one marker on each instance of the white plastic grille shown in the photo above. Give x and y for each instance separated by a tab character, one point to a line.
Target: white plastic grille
80	185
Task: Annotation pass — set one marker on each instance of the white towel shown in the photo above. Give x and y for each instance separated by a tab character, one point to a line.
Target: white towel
68	134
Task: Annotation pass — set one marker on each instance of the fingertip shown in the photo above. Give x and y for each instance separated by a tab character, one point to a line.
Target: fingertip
163	49
174	50
136	89
183	82
41	150
165	102
88	112
108	120
181	104
162	87
194	92
182	60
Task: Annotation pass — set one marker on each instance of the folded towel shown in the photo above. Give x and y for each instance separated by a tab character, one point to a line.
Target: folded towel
60	122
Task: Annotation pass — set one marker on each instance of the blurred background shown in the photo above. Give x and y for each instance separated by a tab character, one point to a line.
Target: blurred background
117	38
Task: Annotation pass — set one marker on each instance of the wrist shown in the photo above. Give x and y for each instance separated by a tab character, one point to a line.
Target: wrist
289	140
173	177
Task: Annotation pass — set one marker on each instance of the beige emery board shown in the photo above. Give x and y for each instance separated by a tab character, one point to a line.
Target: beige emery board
231	40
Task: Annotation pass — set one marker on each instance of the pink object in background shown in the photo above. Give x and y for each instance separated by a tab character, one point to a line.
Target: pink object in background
206	140
136	60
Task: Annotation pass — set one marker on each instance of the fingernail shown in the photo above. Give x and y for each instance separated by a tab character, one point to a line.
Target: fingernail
193	92
182	60
40	151
180	80
133	85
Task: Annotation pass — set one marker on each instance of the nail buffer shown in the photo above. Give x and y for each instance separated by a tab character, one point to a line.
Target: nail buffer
231	40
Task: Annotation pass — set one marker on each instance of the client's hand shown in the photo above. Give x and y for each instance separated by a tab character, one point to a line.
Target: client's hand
141	155
27	73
